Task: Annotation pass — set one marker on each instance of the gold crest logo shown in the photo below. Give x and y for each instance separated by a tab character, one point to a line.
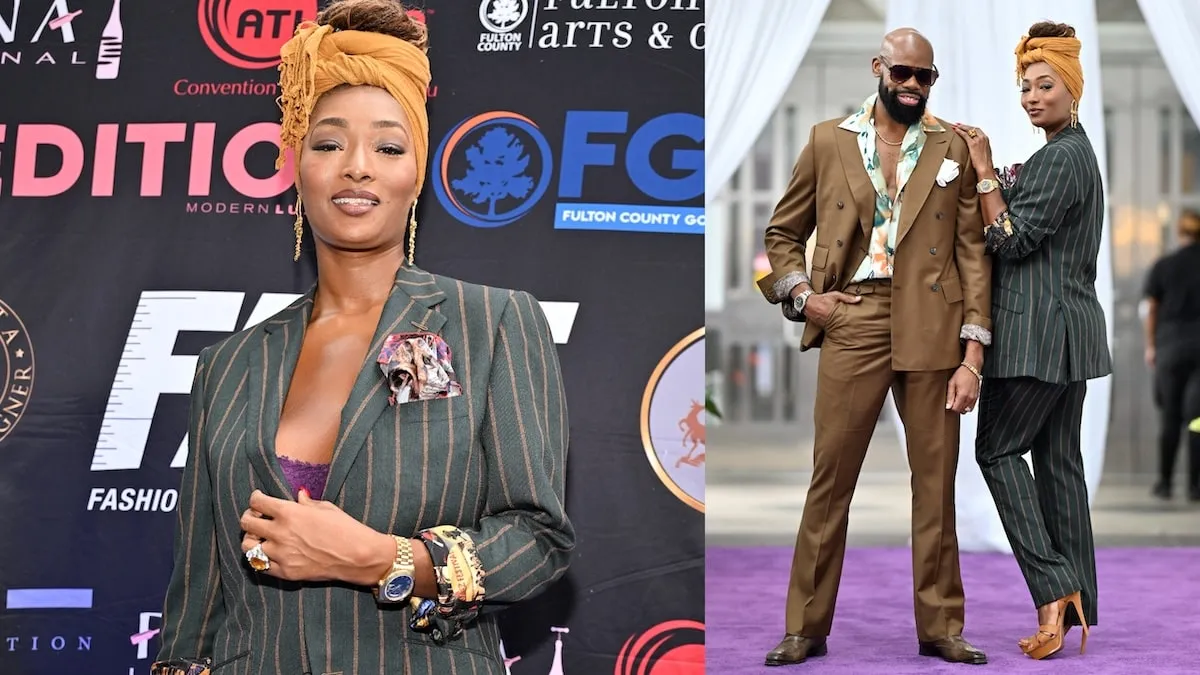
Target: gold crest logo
673	428
16	369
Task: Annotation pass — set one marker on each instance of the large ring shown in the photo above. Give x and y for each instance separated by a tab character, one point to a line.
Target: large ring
258	560
972	133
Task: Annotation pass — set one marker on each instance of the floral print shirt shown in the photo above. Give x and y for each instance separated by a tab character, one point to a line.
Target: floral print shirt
881	249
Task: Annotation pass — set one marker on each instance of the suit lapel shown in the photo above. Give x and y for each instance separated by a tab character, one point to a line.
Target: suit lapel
411	306
856	175
916	191
272	360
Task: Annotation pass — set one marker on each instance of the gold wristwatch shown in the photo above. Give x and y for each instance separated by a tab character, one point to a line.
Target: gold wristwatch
986	185
397	585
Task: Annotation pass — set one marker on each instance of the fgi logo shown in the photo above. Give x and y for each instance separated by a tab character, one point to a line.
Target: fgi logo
492	169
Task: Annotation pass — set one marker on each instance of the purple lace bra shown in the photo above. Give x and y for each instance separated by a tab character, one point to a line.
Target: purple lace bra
305	475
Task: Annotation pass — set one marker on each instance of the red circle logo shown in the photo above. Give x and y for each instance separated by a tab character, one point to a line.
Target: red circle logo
670	648
249	33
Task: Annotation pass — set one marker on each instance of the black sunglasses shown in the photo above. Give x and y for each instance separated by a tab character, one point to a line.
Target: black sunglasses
925	76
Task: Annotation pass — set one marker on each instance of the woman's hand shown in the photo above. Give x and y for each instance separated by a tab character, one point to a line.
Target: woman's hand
963	391
980	147
310	540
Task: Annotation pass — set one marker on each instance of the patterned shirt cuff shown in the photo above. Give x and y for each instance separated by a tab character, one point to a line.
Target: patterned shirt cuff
782	288
977	333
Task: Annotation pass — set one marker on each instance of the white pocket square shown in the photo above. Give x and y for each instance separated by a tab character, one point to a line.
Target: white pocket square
947	173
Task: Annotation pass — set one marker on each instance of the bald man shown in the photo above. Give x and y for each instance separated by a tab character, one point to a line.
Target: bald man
897	297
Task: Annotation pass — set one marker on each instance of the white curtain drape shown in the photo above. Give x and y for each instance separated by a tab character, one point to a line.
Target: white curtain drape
752	51
973	47
1175	24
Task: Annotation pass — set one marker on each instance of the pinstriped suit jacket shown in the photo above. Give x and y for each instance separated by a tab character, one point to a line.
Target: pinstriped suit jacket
490	461
1048	322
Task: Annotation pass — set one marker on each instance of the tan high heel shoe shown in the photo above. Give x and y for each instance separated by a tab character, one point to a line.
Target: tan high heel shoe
1048	641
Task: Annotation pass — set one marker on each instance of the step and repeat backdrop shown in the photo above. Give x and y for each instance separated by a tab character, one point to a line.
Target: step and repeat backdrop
142	219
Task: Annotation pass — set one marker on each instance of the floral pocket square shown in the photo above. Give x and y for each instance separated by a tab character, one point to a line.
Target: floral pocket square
947	172
417	367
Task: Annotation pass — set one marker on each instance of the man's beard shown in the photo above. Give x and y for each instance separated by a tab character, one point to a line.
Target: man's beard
907	115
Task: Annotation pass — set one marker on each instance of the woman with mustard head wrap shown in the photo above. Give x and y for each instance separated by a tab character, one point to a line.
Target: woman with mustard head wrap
1043	229
378	469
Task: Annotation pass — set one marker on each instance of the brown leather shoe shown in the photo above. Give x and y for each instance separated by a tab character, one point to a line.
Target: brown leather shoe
795	649
953	649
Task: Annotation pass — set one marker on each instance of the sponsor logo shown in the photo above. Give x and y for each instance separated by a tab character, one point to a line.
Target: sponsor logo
56	18
39	600
249	33
112	143
670	648
589	24
492	169
145	633
556	666
16	370
149	368
673	420
500	20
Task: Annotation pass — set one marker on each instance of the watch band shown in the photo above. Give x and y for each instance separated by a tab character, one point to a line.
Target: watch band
986	185
800	300
398	583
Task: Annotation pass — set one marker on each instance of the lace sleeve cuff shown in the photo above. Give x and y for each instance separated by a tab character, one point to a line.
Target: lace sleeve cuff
977	333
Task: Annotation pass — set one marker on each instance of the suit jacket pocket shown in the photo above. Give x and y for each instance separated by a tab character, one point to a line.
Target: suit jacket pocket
433	409
1012	301
820	257
952	290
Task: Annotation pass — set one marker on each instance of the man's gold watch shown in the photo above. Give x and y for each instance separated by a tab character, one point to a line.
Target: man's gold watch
398	583
986	185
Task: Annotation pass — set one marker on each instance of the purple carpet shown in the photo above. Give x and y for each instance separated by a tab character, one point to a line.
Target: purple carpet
1149	611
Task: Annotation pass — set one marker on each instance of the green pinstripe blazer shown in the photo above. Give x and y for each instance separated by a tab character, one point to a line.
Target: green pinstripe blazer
1047	322
490	461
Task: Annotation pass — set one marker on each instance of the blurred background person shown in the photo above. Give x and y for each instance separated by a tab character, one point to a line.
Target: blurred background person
1172	322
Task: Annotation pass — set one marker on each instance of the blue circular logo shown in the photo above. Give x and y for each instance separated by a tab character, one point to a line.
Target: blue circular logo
492	169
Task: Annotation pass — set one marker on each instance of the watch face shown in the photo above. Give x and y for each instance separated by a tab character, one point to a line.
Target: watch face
397	589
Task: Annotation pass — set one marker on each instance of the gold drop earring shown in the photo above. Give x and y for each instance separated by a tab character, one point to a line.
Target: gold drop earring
298	226
1074	113
412	233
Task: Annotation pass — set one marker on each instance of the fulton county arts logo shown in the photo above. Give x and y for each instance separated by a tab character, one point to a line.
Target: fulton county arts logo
670	648
16	369
673	420
249	33
491	169
500	19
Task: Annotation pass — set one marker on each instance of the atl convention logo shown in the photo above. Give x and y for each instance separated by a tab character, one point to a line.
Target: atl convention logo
16	370
249	33
673	421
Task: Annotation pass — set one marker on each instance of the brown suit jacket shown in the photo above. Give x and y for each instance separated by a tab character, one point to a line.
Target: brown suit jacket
942	279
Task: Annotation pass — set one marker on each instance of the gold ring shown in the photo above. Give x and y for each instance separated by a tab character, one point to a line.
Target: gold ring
972	133
258	560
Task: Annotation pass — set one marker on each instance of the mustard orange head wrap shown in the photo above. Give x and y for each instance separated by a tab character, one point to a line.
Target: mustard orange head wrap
1061	53
319	58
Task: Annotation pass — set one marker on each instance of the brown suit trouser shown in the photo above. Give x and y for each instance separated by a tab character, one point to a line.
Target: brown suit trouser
853	378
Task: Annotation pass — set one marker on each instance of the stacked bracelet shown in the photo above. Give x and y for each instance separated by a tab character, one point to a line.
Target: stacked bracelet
459	576
974	370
